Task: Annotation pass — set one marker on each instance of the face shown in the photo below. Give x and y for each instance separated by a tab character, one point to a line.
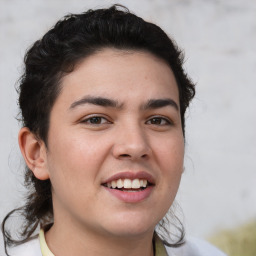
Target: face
115	144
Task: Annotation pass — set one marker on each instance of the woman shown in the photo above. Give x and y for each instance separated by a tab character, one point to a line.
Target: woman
102	100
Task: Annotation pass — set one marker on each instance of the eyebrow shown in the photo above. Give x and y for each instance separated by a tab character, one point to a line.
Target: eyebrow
100	101
160	103
105	102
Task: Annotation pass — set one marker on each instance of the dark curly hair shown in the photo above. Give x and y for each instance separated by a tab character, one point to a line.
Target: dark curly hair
72	39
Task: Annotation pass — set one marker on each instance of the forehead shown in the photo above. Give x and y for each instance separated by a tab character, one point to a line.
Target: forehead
120	74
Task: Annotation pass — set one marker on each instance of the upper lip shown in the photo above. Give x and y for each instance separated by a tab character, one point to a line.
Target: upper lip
132	176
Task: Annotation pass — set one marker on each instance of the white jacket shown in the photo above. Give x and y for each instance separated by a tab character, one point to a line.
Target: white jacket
192	247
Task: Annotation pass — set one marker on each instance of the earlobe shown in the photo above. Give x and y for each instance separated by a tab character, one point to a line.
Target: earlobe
34	153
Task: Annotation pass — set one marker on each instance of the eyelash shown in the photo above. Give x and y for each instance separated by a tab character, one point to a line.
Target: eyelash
91	120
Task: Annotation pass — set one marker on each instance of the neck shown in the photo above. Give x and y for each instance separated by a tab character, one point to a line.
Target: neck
65	240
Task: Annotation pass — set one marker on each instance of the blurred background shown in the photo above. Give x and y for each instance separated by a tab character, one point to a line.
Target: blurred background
218	190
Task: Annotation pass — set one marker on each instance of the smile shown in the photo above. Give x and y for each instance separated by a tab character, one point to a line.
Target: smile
128	184
130	187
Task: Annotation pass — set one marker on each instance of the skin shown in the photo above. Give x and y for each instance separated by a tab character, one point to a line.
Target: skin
83	152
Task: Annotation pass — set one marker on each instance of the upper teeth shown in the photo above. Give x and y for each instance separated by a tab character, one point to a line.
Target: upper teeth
127	183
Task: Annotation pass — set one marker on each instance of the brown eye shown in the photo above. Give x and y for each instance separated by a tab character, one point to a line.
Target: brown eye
95	120
159	121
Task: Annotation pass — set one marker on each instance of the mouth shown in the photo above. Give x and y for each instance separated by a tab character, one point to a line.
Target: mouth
128	185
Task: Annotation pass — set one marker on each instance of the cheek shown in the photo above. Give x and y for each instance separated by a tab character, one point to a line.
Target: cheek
170	157
171	153
73	166
75	157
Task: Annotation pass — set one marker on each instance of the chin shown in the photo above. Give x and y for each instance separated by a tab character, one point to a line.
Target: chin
131	232
132	225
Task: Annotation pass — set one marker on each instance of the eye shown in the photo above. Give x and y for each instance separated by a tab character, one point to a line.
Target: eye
95	120
159	121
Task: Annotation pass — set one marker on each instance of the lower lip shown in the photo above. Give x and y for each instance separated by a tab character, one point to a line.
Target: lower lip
131	197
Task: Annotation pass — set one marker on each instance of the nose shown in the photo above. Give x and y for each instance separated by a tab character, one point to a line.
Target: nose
131	143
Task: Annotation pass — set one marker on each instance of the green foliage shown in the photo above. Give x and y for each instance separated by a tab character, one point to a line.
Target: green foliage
237	242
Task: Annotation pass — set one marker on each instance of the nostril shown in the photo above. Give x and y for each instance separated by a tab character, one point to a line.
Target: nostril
129	156
125	155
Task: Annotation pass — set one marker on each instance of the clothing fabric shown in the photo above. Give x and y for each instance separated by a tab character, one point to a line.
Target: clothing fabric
192	247
195	247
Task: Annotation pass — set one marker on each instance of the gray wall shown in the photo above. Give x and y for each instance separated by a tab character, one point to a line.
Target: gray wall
219	37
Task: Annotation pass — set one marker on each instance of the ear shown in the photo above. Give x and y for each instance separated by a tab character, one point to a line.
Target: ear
34	153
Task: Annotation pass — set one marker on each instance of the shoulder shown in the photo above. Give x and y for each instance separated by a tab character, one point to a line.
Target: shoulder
31	248
195	247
